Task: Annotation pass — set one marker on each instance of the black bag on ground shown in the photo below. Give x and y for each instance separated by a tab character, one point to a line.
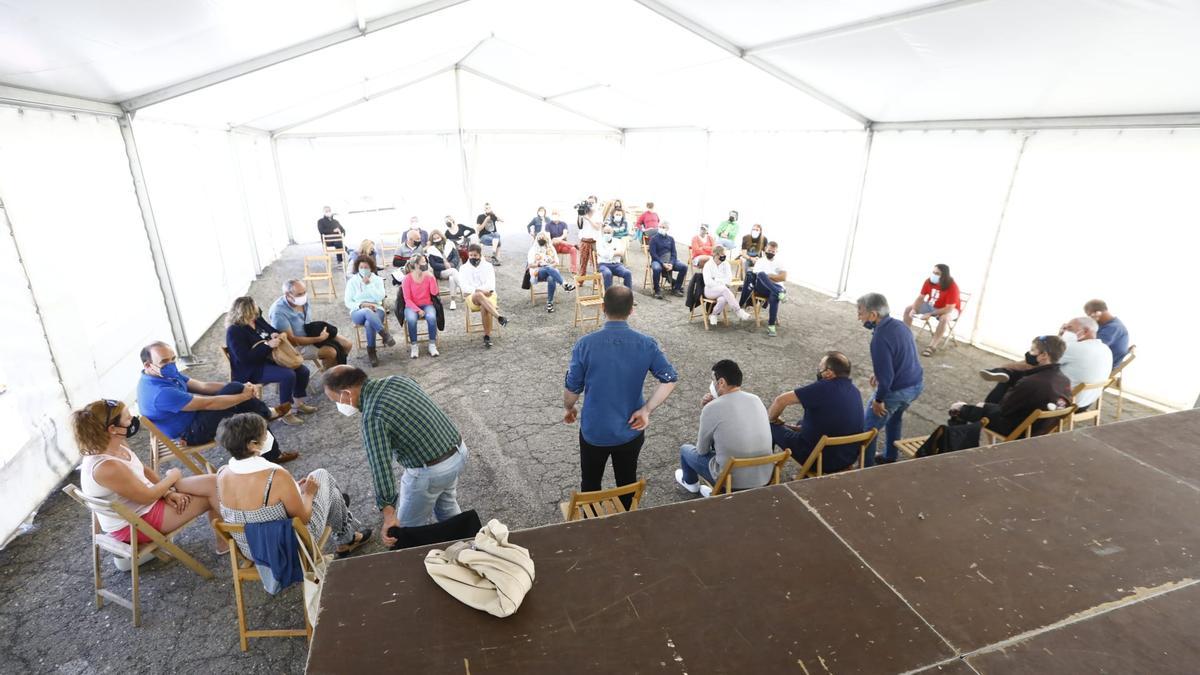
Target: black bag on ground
695	291
525	283
463	526
441	315
948	438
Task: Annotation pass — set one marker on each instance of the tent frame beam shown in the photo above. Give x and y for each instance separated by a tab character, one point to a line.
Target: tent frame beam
877	21
360	100
529	94
658	7
1168	120
32	98
287	54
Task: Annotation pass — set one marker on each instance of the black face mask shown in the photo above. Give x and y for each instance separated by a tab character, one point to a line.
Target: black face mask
770	256
1031	358
819	378
134	425
474	261
721	258
870	325
423	268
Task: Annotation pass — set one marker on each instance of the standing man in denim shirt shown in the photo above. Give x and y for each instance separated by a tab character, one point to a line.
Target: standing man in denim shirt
610	366
898	377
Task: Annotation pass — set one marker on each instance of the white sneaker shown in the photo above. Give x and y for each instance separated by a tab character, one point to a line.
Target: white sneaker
414	351
433	349
453	305
705	491
713	319
743	315
690	487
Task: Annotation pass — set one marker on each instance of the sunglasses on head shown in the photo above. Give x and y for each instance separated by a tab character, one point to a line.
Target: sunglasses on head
109	406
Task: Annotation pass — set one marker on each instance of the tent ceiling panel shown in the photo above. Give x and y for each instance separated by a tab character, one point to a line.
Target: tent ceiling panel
117	49
1013	59
425	106
516	65
487	105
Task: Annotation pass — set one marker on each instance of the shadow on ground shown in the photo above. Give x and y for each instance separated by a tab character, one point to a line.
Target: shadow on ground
524	461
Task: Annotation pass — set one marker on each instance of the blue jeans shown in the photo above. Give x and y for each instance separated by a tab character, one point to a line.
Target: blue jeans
767	288
727	243
489	239
293	383
553	276
678	271
410	317
896	403
607	270
694	464
431	491
373	320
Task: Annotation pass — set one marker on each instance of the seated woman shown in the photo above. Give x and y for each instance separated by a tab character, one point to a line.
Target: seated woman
717	276
939	299
364	298
460	235
250	341
252	490
702	247
112	472
538	223
753	245
366	249
444	261
420	288
618	223
543	266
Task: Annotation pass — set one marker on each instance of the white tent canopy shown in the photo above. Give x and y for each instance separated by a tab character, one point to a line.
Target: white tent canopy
1043	148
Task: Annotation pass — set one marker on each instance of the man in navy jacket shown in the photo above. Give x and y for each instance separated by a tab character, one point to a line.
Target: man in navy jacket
664	260
898	378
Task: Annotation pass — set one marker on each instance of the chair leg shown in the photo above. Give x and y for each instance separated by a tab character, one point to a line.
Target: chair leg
238	600
136	599
98	580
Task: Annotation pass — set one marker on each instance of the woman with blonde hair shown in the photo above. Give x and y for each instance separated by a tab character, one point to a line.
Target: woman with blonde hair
717	276
251	342
366	249
113	472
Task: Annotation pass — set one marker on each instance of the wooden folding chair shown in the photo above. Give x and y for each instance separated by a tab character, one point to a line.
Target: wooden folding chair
724	483
317	269
758	304
389	244
534	293
244	570
335	245
163	448
815	464
706	307
1095	413
951	340
649	275
472	309
594	300
910	446
162	547
1025	428
360	330
601	503
1117	378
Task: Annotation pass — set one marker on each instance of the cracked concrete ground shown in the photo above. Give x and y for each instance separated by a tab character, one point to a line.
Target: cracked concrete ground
524	461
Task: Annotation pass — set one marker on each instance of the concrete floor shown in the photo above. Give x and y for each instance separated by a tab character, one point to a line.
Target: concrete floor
507	403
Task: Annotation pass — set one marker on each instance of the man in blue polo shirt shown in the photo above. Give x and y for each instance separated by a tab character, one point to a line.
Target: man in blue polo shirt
187	409
832	407
1112	331
610	367
898	377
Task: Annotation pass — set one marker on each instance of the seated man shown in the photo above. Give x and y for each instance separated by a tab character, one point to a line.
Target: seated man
1086	361
478	282
313	339
665	260
328	226
489	235
608	254
557	229
411	244
832	407
190	410
733	425
1043	386
766	279
1112	331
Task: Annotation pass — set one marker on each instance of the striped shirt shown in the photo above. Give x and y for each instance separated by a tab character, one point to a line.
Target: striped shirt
400	421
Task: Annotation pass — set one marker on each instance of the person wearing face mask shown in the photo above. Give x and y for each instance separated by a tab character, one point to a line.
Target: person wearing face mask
608	259
647	223
420	290
250	341
832	405
766	279
557	229
717	277
111	471
665	261
189	410
251	489
489	234
702	248
364	298
478	281
289	315
753	245
618	223
327	226
543	266
898	377
411	244
1111	331
366	249
733	425
1086	360
727	231
459	234
535	226
444	262
402	425
938	299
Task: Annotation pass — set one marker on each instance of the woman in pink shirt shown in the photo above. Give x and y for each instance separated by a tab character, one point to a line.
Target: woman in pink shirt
702	247
420	287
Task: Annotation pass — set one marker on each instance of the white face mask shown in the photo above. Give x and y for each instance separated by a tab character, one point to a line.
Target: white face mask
755	233
267	444
1069	337
935	278
301	300
346	409
712	389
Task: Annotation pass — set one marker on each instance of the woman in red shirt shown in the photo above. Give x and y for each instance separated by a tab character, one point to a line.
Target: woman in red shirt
420	287
938	300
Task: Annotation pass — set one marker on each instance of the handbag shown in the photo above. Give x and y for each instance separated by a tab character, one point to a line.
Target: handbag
490	574
314	581
286	356
441	315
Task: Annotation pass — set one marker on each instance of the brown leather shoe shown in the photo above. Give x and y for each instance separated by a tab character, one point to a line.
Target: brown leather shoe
280	410
285	457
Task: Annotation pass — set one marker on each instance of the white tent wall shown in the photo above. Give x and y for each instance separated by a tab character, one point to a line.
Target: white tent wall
193	180
91	298
260	187
667	168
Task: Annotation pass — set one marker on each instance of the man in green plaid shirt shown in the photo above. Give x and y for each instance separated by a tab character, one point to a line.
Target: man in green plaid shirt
401	423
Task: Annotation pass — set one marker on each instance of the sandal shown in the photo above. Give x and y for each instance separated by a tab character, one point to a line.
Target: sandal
361	537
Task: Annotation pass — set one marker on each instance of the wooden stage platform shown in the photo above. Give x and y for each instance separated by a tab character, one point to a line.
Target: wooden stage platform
1061	554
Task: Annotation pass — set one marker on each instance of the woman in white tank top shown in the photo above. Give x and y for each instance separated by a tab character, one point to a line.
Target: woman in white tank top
113	472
